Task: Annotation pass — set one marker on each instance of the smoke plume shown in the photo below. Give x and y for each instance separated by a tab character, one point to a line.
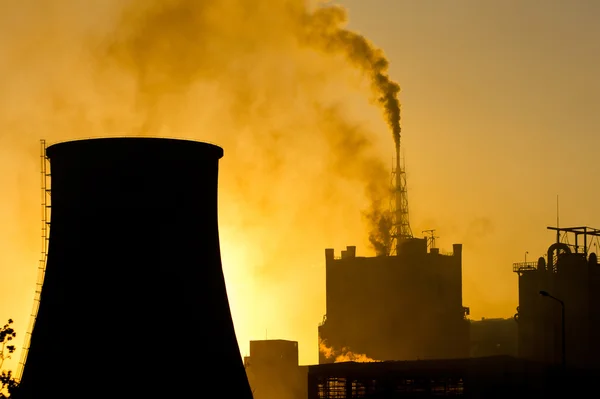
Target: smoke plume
380	235
325	30
344	355
284	87
175	30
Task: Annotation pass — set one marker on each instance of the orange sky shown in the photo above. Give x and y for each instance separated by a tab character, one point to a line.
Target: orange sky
499	104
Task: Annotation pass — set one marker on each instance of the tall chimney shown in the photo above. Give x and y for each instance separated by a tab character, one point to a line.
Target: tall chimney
134	290
398	203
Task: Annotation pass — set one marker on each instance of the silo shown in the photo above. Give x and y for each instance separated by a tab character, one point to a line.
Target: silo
134	302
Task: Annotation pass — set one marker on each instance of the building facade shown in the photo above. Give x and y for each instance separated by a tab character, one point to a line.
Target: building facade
486	377
273	371
570	273
403	307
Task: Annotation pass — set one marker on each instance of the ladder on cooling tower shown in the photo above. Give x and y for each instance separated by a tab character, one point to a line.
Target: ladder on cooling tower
42	264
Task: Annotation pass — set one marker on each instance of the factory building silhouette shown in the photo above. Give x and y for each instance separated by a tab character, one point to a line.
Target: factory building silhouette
133	287
402	313
402	307
570	273
403	304
505	357
273	370
134	263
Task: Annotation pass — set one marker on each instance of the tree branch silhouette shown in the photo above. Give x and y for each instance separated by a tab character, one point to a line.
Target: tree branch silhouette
8	384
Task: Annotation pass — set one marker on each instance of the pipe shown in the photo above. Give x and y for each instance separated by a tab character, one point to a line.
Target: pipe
555	248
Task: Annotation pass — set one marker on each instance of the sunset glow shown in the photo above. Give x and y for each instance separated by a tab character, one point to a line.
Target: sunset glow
499	116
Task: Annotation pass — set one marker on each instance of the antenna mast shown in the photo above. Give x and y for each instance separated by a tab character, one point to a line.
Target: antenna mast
401	227
431	238
557	220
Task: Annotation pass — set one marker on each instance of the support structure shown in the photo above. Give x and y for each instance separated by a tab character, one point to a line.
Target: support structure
401	230
430	238
584	231
44	254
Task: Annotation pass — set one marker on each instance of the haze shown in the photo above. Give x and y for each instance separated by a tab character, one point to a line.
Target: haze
499	111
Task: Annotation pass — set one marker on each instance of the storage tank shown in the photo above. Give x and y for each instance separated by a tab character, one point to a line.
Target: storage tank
134	302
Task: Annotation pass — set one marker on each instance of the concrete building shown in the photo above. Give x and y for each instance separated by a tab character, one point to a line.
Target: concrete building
402	307
273	371
133	241
571	274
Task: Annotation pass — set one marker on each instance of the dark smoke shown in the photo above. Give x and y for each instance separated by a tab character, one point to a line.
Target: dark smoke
277	83
325	31
354	160
380	236
165	33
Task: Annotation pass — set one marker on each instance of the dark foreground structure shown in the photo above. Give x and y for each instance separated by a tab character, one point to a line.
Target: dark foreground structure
488	378
402	307
134	288
571	274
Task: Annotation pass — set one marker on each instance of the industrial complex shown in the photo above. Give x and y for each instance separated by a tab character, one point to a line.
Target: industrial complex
415	338
548	348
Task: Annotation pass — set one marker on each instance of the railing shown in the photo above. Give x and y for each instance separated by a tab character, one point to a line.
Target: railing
524	267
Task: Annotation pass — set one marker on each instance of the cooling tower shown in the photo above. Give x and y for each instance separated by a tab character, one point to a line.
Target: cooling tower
134	303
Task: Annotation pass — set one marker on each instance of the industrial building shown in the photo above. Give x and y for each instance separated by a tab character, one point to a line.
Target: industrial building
563	324
486	377
405	303
402	307
273	371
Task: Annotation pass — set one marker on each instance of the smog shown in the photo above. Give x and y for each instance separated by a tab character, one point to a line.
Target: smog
293	96
342	355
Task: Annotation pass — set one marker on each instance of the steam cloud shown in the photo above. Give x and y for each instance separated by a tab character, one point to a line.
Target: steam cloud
277	83
173	31
345	355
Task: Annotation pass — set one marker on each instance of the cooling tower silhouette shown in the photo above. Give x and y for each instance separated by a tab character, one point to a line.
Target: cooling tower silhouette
134	303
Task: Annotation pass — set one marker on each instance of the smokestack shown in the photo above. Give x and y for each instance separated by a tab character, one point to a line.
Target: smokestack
398	201
134	289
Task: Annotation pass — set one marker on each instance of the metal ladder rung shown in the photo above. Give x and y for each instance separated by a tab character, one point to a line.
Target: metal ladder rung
46	195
